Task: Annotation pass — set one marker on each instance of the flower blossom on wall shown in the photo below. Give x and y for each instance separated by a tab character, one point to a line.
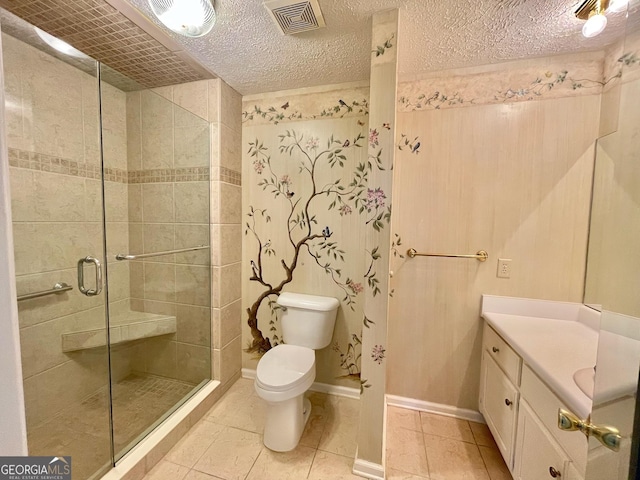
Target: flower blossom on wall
345	210
373	138
377	353
375	199
258	166
286	180
313	143
355	287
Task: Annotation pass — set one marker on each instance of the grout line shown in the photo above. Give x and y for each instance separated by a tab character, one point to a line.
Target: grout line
315	454
262	449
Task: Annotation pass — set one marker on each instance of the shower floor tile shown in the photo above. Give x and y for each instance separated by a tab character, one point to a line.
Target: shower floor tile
82	430
227	444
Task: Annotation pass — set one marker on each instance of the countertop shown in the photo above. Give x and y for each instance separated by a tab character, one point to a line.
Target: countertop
555	339
554	349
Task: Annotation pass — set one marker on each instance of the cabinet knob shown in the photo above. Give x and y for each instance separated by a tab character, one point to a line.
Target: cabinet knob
554	473
508	402
495	349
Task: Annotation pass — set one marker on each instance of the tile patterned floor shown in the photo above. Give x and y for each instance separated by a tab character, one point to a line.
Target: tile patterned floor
425	446
227	444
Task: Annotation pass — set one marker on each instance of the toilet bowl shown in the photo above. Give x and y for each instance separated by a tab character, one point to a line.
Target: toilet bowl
284	373
288	370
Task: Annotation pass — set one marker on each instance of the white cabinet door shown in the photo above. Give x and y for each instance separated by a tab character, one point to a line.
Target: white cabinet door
500	406
539	456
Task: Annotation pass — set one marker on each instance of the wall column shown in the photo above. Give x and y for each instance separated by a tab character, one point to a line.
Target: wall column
382	121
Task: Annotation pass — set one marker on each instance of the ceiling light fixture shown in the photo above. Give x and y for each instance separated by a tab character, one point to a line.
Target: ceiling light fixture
617	6
191	18
59	45
593	11
595	25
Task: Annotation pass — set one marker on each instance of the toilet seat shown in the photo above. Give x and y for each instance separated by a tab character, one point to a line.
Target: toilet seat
286	367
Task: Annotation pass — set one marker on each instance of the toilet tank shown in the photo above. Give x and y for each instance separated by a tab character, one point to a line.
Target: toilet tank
307	320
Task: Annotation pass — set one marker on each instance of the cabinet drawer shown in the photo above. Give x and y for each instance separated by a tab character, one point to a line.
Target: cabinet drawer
545	403
539	456
502	353
573	474
500	406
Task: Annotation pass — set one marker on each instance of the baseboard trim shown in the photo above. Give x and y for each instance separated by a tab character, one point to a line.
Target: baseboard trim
439	408
367	469
337	390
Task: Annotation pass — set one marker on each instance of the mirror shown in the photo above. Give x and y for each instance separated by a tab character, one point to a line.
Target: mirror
613	260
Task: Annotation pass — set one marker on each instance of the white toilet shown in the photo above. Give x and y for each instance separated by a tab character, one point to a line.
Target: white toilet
286	371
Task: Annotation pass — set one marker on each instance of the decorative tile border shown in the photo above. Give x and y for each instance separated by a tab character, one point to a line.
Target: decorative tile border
169	175
48	163
230	176
63	166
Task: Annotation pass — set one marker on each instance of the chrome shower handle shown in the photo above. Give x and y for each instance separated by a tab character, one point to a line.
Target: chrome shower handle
81	287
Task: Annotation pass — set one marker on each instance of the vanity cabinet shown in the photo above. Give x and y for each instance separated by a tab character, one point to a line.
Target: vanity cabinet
543	457
499	403
521	412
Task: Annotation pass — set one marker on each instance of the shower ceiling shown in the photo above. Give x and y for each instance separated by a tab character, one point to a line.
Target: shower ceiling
249	53
99	30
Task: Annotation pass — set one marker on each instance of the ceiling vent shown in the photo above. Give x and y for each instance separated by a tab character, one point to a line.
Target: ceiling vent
294	16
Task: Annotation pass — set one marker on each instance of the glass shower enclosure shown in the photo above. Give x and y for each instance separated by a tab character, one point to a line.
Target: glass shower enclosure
110	205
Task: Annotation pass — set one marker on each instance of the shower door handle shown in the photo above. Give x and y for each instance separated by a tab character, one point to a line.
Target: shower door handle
81	287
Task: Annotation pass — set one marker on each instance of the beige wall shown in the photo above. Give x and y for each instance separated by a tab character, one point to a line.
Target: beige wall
512	176
314	114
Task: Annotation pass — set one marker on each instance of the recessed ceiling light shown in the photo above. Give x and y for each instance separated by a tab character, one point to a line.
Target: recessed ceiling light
191	18
59	45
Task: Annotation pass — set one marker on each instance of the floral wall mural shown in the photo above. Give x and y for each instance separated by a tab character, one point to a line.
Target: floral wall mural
306	205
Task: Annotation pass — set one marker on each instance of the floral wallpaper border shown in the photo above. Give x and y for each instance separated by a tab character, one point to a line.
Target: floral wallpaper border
342	103
535	80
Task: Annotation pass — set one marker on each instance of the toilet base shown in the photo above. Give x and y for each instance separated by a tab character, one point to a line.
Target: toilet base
285	423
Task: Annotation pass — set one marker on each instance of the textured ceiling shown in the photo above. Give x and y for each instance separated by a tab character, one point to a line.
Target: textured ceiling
246	50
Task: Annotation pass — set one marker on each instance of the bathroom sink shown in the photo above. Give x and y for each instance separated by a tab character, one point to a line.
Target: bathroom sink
585	378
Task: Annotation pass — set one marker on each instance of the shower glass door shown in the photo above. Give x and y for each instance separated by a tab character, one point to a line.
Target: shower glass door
156	164
53	129
110	203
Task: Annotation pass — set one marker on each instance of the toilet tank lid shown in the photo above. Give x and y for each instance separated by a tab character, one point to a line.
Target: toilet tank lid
308	302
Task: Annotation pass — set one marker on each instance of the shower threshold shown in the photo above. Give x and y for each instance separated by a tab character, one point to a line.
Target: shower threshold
165	434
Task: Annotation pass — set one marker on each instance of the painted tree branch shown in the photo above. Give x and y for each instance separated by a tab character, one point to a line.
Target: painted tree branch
300	217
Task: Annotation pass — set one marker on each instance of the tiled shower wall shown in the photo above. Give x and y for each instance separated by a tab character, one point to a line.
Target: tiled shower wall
167	178
225	114
168	174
